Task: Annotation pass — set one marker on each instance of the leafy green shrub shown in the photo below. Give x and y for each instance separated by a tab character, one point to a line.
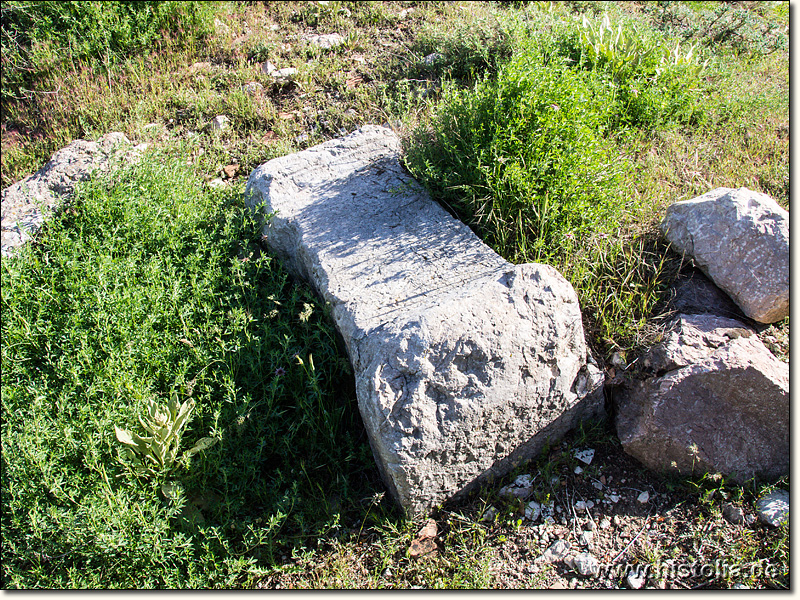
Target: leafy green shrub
147	288
523	159
38	35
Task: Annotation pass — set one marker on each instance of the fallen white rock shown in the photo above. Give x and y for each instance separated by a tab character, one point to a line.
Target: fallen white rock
465	364
326	41
29	202
740	239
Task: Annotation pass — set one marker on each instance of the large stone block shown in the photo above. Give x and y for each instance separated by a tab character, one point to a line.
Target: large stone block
740	239
465	365
718	402
28	203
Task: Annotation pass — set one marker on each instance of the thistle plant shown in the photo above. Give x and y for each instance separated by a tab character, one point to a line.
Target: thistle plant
158	451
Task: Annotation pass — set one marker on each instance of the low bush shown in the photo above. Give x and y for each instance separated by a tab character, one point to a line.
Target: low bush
523	160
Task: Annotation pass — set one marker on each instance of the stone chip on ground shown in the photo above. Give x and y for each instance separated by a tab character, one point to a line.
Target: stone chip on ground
773	509
465	364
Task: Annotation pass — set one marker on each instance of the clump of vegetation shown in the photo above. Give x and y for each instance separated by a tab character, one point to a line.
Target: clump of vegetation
754	30
152	286
38	36
523	158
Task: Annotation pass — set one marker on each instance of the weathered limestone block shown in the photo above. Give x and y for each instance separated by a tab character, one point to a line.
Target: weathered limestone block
719	402
740	239
27	203
465	364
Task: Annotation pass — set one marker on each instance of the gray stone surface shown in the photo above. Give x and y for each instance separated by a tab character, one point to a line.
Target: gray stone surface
464	363
694	293
740	239
773	509
27	203
718	402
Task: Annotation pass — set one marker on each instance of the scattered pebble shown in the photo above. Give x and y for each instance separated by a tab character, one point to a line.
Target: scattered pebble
489	514
578	470
605	523
586	538
644	497
618	360
220	123
252	87
617	520
773	509
326	41
597	485
635	580
590	526
533	510
433	58
733	514
584	505
585	564
522	487
614	498
585	456
216	183
557	551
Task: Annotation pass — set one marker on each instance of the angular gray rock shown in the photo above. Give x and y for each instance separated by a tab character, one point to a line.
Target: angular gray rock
773	509
27	203
719	402
464	363
740	239
326	41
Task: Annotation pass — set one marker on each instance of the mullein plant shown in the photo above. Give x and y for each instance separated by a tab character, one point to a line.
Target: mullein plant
157	451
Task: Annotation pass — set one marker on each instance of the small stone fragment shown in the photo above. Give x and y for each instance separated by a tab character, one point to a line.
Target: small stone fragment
733	514
578	470
220	123
326	41
533	510
585	564
635	579
605	523
584	504
230	170
557	551
586	538
425	542
773	509
585	456
433	58
252	87
644	497
489	514
614	498
216	183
